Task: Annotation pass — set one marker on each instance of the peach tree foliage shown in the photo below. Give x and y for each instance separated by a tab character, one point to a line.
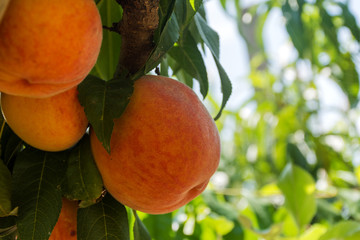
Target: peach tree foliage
33	181
290	174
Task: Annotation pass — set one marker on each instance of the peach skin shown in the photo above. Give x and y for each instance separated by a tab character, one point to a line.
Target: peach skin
164	148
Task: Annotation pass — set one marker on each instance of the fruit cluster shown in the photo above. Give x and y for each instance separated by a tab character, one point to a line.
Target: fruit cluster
164	147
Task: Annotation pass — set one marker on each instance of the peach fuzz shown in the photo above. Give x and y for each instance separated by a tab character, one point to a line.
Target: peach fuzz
164	148
47	47
50	124
66	226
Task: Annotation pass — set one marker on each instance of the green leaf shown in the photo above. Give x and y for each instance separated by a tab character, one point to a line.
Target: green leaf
263	211
195	4
314	232
329	27
164	67
140	231
295	27
344	73
166	8
298	187
167	39
350	20
185	77
110	12
215	225
345	230
350	198
83	180
226	87
211	39
104	220
221	208
103	102
208	35
236	233
159	226
37	177
185	11
326	210
348	78
5	190
297	157
189	58
270	233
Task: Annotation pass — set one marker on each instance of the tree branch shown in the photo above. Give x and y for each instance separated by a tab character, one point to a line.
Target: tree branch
140	20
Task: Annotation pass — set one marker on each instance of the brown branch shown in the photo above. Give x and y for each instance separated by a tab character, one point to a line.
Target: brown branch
140	20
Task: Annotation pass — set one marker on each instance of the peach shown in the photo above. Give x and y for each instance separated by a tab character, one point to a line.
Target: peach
47	47
164	148
66	226
50	124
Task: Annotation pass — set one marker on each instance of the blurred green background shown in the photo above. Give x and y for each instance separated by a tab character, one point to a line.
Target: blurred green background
290	163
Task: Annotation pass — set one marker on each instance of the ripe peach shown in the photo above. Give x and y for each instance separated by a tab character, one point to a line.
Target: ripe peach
50	124
164	148
47	47
66	226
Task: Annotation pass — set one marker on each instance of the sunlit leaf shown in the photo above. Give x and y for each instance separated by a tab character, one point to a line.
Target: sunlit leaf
345	230
290	228
110	12
220	225
159	226
269	190
357	174
298	188
269	233
185	11
313	233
